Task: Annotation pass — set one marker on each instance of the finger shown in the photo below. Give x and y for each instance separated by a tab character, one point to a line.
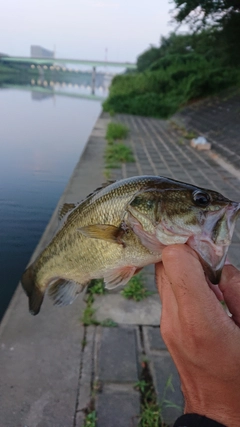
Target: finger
164	287
169	312
216	290
230	287
187	279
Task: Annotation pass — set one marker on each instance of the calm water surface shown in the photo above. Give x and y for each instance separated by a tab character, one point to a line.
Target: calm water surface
40	143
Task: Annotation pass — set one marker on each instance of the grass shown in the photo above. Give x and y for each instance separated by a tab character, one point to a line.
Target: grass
109	323
90	420
107	173
84	343
95	288
185	134
116	153
88	315
141	386
150	416
151	409
189	135
111	113
116	131
135	289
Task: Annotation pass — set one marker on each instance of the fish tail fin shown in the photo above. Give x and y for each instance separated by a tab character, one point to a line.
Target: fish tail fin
35	296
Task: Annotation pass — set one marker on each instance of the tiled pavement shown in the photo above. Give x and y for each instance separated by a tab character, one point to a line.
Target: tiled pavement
53	369
159	149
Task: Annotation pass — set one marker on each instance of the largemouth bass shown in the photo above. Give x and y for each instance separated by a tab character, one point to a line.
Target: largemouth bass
124	226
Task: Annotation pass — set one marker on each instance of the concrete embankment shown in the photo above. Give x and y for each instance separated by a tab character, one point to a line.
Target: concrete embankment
40	357
53	369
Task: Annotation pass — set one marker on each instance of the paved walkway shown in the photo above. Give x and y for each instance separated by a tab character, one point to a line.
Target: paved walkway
53	369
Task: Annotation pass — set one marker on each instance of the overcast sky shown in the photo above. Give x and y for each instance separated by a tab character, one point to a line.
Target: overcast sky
84	28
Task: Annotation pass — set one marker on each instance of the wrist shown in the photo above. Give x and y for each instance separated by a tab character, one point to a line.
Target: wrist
196	420
214	403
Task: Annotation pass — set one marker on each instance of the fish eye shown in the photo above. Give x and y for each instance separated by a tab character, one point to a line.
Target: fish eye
150	203
201	199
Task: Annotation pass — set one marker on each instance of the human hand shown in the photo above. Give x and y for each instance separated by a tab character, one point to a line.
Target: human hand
203	340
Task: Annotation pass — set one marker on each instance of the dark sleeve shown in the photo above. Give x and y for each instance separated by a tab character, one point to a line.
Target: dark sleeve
195	420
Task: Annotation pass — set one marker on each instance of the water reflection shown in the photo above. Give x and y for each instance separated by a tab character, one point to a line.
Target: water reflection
40	144
44	84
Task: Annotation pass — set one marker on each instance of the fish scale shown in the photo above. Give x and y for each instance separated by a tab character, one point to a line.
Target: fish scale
123	226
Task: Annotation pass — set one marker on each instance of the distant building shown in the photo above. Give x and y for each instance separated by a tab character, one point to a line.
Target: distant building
40	52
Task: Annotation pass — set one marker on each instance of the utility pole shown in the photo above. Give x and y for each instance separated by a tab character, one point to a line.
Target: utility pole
93	80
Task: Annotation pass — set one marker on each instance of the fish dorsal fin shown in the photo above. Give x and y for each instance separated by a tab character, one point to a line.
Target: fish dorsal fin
105	184
63	292
67	207
64	209
118	276
102	231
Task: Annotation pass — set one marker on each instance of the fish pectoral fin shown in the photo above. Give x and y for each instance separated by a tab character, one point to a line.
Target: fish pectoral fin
64	209
103	232
118	276
63	292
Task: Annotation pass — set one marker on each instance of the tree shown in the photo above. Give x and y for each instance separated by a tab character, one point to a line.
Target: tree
220	15
206	12
147	58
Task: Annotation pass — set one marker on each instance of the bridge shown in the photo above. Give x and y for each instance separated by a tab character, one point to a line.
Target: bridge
50	61
44	63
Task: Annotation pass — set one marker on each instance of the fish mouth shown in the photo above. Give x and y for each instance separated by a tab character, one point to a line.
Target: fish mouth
213	243
211	256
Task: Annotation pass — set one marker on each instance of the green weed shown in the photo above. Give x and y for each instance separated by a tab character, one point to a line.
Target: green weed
141	386
116	153
88	316
90	420
112	113
135	289
109	323
97	287
84	343
116	131
150	416
166	403
189	135
107	173
151	410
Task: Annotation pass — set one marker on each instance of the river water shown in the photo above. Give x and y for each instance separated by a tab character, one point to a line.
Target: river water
41	140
